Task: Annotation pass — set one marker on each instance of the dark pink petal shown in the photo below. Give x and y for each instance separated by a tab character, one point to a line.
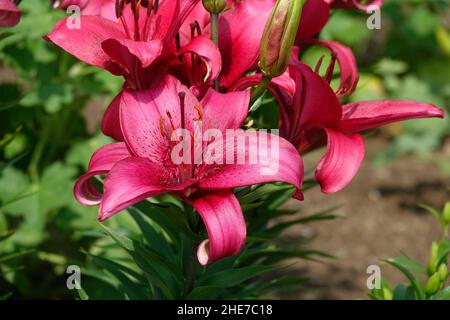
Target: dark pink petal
364	115
130	181
347	65
341	161
111	121
208	53
125	52
225	110
315	16
101	162
225	224
311	95
9	14
86	43
248	158
240	32
146	117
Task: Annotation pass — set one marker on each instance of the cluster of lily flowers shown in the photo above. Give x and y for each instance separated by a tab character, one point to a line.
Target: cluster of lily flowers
192	65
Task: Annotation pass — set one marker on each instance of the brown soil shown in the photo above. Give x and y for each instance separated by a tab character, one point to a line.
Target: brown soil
382	220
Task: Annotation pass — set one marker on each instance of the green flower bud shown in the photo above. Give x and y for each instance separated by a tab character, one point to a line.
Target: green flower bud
443	272
279	37
433	263
214	6
387	294
434	282
446	213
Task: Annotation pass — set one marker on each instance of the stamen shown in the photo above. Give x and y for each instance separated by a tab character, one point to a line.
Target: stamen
162	128
319	64
182	97
171	121
195	27
199	111
331	66
156	6
177	41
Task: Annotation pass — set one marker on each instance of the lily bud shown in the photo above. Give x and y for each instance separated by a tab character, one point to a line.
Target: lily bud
432	263
433	284
279	36
443	272
214	6
446	213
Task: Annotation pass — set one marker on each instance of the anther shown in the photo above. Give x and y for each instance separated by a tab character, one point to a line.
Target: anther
199	111
182	97
331	66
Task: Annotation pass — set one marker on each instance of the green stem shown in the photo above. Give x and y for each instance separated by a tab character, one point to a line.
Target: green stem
215	38
260	90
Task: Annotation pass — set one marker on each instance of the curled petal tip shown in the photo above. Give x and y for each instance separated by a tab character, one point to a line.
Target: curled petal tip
298	195
203	253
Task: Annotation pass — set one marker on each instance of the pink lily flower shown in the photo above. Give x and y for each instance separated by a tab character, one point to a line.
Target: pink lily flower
139	43
142	166
9	13
311	116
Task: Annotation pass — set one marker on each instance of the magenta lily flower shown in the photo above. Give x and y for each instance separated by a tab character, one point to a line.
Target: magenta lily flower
9	13
311	116
142	166
139	43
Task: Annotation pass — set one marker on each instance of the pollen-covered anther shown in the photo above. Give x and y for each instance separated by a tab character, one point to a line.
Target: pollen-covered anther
199	111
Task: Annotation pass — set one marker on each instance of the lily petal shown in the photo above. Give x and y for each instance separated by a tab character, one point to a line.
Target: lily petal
315	16
225	110
240	32
85	43
225	224
341	161
123	51
9	14
111	121
312	94
250	158
365	115
130	181
101	162
208	53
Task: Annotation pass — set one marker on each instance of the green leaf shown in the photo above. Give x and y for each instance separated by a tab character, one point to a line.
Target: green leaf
205	293
403	265
234	277
404	292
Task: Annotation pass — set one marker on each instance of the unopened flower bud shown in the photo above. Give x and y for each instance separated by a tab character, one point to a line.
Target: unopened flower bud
279	36
214	6
433	263
446	213
443	272
433	284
